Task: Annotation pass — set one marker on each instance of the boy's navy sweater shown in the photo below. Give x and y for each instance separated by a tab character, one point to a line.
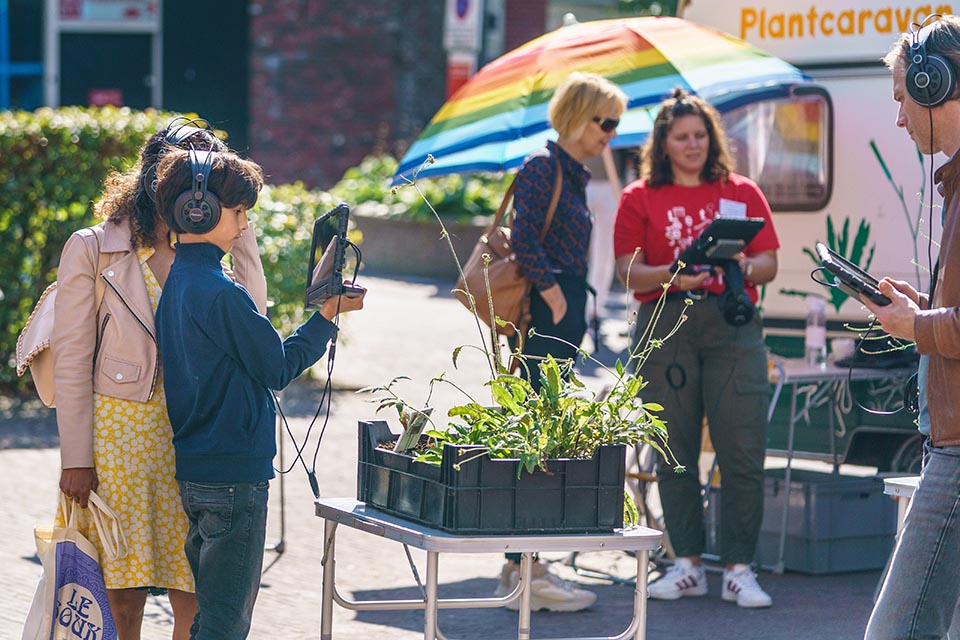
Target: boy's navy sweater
221	358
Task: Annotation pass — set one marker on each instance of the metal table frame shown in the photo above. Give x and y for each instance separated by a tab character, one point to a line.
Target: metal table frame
356	515
901	488
826	381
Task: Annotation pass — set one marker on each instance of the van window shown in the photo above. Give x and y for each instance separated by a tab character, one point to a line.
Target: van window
785	146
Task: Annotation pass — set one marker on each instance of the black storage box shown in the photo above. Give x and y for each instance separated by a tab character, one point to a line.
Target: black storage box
469	493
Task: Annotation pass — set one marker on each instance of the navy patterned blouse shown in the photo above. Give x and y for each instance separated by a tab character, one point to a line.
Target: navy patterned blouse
565	247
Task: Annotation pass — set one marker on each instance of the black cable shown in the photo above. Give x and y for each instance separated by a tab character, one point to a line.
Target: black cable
930	210
910	398
326	398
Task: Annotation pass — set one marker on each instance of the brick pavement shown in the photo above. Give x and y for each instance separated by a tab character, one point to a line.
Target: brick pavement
408	328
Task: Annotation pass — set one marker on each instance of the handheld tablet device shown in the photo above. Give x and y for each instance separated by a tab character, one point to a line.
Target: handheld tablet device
719	242
325	276
851	279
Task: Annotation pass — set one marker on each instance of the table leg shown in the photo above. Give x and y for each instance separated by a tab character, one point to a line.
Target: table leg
526	577
329	564
778	567
835	390
640	594
430	606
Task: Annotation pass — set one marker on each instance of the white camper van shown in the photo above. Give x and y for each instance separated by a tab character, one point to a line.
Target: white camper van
836	170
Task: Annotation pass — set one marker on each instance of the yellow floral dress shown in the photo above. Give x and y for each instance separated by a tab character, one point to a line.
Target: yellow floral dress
134	458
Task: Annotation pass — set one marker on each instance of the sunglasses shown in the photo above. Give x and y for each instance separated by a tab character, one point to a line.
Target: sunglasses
607	124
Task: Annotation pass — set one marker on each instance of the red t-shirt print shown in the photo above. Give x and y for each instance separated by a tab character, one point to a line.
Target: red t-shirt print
663	222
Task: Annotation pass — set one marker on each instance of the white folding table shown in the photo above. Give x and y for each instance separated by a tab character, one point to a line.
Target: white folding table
901	488
356	515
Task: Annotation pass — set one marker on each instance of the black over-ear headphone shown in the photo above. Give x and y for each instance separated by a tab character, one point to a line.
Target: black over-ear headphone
175	133
198	210
930	77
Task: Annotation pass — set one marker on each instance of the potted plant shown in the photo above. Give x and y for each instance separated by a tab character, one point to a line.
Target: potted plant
552	461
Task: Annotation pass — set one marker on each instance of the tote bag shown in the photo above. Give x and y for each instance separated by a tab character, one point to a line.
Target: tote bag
71	600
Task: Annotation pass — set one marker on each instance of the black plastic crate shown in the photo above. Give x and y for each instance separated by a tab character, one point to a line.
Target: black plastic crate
470	493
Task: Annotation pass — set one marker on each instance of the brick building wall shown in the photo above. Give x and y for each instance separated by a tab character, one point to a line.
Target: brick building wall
333	81
523	20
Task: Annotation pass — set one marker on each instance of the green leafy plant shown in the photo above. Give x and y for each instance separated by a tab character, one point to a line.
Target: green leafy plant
563	420
852	250
913	222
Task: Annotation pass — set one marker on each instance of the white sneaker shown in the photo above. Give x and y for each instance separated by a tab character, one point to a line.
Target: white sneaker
740	586
547	590
682	579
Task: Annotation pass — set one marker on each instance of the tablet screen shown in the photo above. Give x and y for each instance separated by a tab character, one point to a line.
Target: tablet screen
851	279
721	240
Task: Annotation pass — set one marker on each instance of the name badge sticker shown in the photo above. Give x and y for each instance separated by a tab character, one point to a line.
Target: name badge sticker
732	209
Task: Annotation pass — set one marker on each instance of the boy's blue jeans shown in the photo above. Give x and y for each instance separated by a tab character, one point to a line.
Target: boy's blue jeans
224	546
922	589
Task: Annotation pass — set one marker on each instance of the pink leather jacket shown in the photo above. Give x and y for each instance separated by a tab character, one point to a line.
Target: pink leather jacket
123	362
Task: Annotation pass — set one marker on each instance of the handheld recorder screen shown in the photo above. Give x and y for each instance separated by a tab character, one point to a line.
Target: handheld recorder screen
720	241
850	278
325	275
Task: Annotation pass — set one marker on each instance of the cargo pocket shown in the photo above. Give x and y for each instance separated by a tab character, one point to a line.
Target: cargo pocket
751	376
120	371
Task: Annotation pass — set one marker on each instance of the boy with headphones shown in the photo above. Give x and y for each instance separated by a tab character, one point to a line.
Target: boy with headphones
221	359
922	588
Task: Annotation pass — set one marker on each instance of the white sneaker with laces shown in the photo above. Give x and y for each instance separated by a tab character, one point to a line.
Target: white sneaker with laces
547	590
682	579
740	585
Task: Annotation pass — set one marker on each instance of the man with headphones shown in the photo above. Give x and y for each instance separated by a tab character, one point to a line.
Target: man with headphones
221	359
922	588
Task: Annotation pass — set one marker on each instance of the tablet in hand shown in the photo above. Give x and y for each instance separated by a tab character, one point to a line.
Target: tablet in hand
851	279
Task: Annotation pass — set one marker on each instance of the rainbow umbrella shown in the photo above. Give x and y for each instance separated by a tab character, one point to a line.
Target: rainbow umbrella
499	116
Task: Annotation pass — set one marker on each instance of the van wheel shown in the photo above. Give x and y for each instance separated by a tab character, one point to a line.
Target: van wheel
909	457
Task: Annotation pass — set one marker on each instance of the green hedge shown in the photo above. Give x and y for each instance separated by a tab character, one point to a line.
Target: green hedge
52	165
454	197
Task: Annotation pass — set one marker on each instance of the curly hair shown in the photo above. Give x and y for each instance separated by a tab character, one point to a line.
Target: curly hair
131	195
655	166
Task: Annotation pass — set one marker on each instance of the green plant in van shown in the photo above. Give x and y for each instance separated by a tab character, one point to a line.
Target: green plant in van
852	250
912	223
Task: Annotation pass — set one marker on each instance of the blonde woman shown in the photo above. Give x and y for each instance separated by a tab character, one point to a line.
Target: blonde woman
585	111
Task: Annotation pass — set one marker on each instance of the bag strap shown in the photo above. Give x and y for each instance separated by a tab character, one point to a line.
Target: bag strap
551	210
108	527
112	539
555	200
507	199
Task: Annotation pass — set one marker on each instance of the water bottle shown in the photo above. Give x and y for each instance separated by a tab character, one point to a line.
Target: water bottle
815	336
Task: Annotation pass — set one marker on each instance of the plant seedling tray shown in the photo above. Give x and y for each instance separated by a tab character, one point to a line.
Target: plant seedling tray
470	493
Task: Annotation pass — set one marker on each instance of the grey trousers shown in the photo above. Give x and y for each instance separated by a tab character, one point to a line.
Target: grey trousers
715	370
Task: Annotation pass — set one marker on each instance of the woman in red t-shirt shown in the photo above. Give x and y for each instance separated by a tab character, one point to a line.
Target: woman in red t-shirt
709	368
